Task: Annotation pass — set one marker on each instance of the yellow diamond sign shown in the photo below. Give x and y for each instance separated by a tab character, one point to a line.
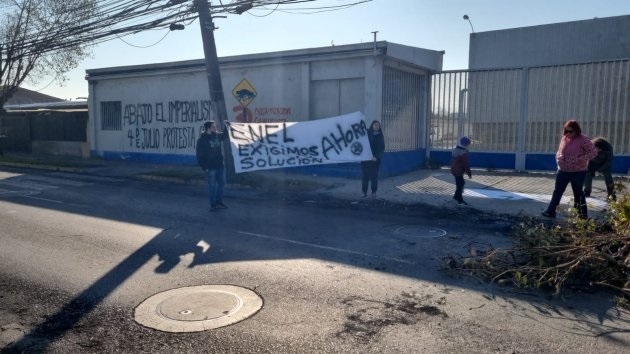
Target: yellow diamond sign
244	92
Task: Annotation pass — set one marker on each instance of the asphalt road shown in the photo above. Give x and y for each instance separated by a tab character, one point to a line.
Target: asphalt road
79	253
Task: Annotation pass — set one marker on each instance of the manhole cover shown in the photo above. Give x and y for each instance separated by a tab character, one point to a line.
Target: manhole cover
419	231
197	308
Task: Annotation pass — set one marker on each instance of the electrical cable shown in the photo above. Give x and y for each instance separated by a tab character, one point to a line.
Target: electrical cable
48	84
267	14
148	46
110	19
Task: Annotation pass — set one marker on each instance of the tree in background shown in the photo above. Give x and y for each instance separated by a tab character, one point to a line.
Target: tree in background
48	38
35	41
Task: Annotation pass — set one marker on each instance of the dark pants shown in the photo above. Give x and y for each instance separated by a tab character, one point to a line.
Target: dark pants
370	175
459	187
216	182
610	184
562	181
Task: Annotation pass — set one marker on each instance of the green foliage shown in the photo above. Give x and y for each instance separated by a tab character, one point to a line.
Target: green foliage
578	253
620	215
50	161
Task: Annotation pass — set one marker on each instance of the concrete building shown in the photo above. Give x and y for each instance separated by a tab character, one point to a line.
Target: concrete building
576	42
155	112
524	83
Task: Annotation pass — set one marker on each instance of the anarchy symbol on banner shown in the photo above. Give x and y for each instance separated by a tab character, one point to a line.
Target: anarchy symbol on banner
356	148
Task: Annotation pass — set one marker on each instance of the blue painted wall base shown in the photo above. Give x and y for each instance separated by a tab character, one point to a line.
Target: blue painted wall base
393	163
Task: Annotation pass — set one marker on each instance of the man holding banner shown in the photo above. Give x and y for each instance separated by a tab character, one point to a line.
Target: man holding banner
210	158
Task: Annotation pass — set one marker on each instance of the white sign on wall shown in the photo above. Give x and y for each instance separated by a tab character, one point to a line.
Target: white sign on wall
264	146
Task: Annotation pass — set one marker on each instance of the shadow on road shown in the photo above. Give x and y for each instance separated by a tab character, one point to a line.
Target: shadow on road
171	244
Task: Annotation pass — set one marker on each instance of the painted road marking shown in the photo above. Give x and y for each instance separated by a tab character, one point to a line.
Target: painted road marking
335	249
507	195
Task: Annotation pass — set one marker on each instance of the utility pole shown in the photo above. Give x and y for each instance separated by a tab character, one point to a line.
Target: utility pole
215	86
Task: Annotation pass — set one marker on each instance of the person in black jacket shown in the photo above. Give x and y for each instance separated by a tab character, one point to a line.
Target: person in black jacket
601	163
370	168
210	158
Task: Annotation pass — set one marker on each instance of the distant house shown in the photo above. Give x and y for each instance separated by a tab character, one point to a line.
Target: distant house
43	124
24	96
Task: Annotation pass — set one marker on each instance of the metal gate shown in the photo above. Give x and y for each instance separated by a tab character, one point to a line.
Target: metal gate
515	116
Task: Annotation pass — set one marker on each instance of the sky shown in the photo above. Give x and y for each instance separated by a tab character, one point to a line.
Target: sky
429	24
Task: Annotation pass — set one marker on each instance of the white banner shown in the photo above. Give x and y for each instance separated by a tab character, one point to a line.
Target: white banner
263	146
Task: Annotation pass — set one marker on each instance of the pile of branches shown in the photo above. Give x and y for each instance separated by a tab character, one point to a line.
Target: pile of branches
578	253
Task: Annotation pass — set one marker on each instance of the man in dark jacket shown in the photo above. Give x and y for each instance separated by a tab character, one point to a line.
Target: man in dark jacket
601	163
210	158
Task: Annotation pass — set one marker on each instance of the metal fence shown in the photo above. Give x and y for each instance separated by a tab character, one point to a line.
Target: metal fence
404	97
522	110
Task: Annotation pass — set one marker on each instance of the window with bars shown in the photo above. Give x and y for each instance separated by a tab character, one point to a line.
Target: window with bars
111	115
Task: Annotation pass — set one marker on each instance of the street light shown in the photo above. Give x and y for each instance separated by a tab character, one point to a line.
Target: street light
468	19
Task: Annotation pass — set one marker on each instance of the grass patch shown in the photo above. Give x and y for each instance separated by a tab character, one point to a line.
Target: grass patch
50	161
180	173
270	183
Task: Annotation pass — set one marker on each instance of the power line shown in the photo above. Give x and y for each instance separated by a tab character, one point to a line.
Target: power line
110	19
145	46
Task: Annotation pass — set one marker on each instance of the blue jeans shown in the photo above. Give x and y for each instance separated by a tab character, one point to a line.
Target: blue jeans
216	181
562	181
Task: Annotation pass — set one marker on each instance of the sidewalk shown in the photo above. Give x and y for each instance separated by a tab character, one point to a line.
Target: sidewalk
501	192
497	192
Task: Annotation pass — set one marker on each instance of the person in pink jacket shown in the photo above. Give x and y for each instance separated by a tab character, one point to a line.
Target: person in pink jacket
574	152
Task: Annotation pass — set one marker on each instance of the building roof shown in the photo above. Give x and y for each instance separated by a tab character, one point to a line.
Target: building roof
25	96
425	59
65	106
25	100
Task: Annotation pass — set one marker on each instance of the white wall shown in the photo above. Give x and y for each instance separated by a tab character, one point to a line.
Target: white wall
164	112
164	106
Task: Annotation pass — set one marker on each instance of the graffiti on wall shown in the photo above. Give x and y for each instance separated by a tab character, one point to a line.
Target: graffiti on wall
175	125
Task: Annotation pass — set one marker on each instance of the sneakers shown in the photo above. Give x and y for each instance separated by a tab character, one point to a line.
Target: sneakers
548	214
218	206
460	201
364	196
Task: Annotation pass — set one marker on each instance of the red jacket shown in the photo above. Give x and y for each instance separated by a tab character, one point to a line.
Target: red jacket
459	162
